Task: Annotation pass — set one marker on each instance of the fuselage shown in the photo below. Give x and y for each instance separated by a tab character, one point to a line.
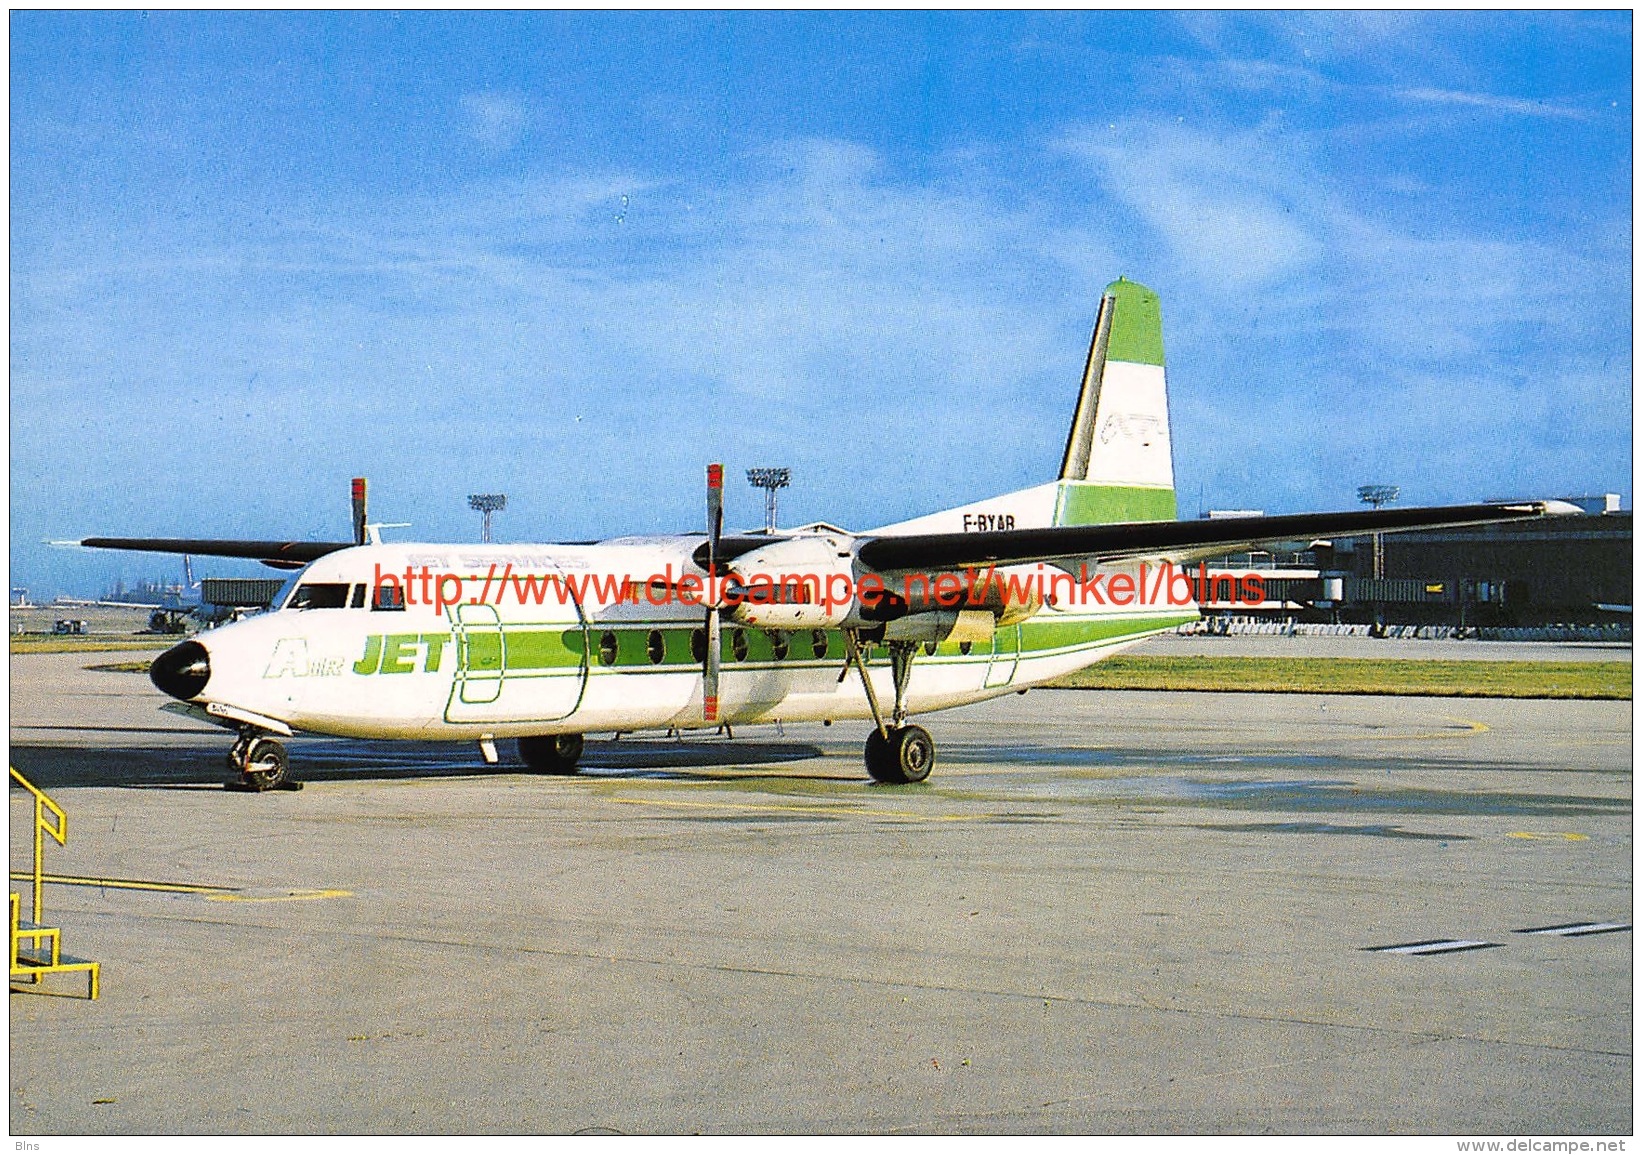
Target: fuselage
439	642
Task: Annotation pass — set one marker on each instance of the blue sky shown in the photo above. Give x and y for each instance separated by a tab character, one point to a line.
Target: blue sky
574	257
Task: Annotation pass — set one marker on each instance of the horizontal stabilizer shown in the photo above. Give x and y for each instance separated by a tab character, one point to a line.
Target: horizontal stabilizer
279	554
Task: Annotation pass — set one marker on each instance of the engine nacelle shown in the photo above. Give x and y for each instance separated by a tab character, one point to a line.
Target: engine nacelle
798	583
974	626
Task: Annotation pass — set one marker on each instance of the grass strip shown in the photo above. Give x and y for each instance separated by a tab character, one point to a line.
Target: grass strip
1444	679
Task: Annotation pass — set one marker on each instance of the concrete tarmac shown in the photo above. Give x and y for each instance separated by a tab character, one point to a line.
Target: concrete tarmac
1106	912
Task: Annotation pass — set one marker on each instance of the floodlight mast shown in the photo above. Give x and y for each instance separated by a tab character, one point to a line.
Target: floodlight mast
486	504
1378	495
769	479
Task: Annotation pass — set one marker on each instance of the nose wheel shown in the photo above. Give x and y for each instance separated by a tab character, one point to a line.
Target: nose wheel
262	764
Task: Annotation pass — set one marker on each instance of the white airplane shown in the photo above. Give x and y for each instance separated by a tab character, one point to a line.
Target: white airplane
547	643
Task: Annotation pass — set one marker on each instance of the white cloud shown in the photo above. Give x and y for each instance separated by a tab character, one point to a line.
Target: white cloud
1219	202
496	120
1503	105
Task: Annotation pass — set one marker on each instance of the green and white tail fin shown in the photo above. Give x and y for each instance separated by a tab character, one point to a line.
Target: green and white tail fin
1117	465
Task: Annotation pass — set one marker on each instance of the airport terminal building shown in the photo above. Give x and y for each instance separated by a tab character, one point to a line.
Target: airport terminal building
1573	570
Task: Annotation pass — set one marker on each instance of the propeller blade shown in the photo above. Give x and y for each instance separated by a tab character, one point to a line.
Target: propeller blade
715	528
715	513
359	514
709	673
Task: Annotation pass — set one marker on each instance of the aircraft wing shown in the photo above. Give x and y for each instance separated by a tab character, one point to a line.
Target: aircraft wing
278	554
1177	541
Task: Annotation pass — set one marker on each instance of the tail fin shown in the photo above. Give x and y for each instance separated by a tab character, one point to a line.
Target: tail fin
1117	465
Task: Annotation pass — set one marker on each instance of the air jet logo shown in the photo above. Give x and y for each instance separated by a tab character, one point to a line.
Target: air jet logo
400	653
291	660
1142	426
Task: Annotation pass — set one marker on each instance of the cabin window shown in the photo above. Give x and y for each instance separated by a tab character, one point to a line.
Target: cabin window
698	645
357	602
738	644
607	648
778	643
388	597
818	640
655	647
319	596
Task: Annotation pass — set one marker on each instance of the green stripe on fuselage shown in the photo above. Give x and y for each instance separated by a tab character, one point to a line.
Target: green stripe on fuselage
544	649
1041	634
534	650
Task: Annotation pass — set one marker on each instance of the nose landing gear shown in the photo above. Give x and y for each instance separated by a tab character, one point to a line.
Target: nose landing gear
261	762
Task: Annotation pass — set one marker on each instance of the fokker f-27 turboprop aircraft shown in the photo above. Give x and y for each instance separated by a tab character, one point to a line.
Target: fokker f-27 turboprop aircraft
546	643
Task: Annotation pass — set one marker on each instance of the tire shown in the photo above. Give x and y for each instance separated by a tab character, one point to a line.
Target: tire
551	753
267	766
880	757
906	757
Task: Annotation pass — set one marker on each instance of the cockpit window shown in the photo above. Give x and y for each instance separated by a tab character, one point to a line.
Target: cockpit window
319	596
358	602
388	597
280	599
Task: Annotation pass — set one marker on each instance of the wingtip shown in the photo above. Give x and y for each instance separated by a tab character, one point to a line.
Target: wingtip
1554	508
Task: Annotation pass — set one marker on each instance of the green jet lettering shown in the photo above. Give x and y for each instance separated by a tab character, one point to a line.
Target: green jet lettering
396	653
372	658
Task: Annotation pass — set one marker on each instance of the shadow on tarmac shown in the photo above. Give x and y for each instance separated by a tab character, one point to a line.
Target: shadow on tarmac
327	760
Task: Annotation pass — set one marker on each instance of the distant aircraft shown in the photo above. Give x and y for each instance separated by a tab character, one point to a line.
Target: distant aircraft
547	643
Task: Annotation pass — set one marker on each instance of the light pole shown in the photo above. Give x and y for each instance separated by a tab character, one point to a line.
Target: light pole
486	504
769	480
1378	495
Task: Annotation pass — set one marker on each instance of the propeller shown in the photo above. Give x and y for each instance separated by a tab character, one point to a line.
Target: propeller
360	535
715	526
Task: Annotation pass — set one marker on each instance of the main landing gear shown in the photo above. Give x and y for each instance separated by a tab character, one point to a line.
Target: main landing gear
261	762
896	753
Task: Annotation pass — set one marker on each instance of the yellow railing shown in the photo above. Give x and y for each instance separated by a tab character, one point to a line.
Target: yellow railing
31	966
58	830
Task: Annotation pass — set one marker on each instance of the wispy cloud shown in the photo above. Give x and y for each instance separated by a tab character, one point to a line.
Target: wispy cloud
815	306
1501	105
496	120
1220	203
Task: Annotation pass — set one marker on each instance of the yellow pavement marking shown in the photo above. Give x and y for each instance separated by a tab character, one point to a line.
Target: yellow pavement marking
212	893
1551	835
123	883
854	811
1470	729
293	896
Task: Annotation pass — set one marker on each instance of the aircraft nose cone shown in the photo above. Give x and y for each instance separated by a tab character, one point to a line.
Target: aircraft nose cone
182	671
